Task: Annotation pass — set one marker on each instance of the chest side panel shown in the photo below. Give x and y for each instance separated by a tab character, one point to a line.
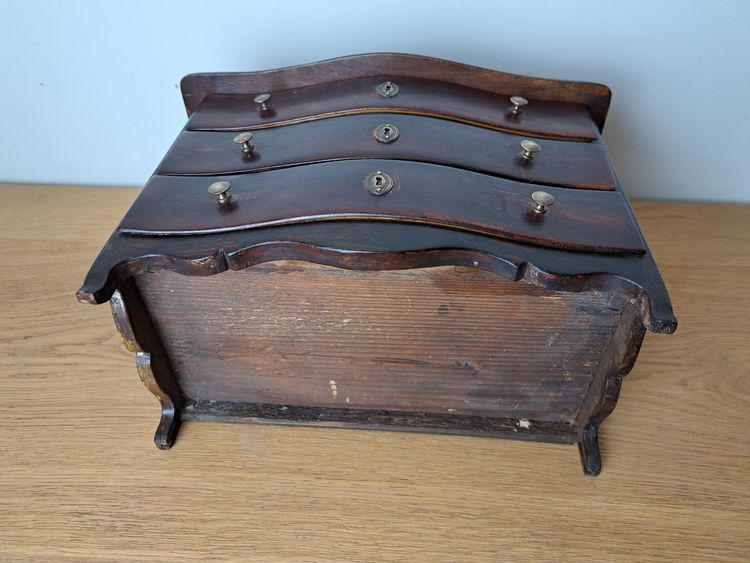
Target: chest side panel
447	340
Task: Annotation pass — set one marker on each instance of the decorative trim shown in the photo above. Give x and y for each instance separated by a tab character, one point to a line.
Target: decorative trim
166	431
104	279
139	336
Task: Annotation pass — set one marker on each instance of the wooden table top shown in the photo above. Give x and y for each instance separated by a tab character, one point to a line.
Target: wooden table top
80	478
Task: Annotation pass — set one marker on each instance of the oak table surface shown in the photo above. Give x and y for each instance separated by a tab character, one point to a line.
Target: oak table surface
80	478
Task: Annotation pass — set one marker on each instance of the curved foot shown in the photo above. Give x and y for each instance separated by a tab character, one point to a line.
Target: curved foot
588	447
166	432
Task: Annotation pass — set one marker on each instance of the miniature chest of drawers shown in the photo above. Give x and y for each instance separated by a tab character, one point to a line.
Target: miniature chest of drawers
388	242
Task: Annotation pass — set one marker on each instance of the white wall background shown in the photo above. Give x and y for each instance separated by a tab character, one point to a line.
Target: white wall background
89	93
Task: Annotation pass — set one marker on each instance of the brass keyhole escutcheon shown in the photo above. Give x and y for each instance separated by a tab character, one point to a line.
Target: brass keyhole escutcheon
386	133
379	183
387	89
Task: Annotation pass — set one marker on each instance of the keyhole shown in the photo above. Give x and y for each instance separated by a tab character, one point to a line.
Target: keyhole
379	183
386	132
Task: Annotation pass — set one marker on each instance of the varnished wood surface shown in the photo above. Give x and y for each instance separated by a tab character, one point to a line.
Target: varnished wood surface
295	333
417	97
195	87
563	163
81	480
422	193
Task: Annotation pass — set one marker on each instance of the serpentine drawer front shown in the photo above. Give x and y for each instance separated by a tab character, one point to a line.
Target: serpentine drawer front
421	193
390	242
563	163
431	98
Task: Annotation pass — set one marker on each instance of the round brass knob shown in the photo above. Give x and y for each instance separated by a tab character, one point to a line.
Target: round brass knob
243	139
530	148
518	102
262	101
542	202
221	191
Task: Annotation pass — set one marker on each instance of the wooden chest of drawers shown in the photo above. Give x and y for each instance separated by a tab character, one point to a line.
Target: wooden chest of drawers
387	242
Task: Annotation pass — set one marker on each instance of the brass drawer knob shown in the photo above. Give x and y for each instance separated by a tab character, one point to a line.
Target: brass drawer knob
530	148
518	102
542	202
243	139
262	101
221	191
387	89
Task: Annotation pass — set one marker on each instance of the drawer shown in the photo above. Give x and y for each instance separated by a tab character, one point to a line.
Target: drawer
424	139
580	220
416	96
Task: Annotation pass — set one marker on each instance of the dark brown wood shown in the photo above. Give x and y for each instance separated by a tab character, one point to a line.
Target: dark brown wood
154	368
444	306
389	420
373	245
291	332
616	361
588	447
596	97
422	193
651	309
422	139
432	98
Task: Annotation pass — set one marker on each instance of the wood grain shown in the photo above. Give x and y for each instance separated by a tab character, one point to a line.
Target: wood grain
422	139
196	87
416	97
292	333
80	479
422	193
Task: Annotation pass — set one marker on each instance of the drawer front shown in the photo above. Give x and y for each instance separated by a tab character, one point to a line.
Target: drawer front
581	220
415	96
424	139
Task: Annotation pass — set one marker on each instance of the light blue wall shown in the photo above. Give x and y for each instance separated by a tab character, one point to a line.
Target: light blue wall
89	89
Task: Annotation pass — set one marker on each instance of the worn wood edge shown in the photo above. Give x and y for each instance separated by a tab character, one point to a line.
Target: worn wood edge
601	398
397	111
139	335
108	273
596	97
250	166
169	423
453	424
507	235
